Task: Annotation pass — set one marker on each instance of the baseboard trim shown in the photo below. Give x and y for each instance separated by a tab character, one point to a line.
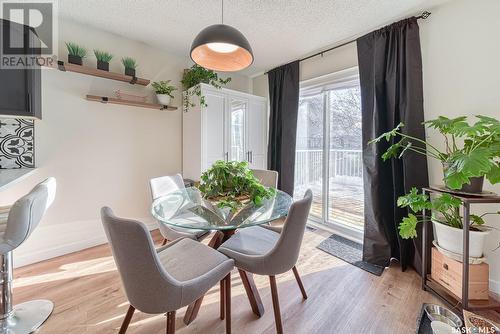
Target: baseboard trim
73	243
495	286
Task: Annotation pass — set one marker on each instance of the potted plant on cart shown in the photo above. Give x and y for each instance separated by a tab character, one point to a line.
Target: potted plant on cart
103	59
446	221
163	91
471	152
130	65
191	84
76	53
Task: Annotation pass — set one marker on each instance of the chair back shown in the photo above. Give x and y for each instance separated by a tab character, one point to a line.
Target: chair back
285	253
161	186
268	178
148	287
26	213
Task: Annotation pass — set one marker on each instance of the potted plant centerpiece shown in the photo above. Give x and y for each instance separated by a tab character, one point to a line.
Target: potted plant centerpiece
76	53
103	59
471	152
163	91
130	65
192	78
446	221
232	185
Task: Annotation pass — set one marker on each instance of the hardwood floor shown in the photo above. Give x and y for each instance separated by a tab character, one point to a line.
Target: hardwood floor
88	297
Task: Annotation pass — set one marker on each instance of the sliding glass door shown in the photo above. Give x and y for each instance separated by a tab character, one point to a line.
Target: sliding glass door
328	156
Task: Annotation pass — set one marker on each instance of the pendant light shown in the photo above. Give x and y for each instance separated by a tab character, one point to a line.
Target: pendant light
220	47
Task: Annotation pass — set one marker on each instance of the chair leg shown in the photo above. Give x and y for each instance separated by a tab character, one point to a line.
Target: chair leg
252	293
126	321
299	282
276	305
164	242
171	322
222	299
227	296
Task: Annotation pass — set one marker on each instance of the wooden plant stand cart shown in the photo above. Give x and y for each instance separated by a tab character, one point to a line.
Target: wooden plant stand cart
429	284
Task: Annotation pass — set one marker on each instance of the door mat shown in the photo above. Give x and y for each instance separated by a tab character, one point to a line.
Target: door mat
349	251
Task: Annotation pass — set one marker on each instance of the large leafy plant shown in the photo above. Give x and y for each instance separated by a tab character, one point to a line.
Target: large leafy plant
470	150
229	183
193	77
445	210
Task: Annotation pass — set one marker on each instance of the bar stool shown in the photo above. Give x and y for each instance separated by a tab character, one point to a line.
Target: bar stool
23	218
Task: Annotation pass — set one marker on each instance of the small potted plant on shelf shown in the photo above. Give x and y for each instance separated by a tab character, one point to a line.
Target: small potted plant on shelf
471	151
232	184
76	53
446	221
190	82
163	91
130	65
103	59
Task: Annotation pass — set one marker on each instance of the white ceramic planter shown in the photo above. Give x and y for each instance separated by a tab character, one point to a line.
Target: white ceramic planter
451	239
163	99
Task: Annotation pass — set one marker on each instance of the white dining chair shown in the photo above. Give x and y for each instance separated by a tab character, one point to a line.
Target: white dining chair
22	219
161	186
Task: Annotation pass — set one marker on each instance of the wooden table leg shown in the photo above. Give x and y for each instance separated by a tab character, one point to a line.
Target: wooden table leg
215	242
252	293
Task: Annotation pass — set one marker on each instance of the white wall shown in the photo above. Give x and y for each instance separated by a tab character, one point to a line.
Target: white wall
460	65
460	53
100	154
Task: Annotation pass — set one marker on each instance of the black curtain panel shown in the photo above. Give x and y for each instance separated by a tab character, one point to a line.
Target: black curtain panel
390	70
284	105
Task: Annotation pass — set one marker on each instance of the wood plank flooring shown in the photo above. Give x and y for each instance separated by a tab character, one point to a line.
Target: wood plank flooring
88	297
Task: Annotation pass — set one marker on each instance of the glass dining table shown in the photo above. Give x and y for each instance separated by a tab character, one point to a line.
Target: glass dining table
186	208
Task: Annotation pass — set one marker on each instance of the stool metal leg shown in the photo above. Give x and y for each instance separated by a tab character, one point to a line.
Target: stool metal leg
23	318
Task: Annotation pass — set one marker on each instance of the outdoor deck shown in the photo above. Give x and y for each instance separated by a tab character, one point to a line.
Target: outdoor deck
346	202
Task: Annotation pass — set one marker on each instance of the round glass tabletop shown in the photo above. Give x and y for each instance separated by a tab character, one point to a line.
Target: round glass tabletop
186	208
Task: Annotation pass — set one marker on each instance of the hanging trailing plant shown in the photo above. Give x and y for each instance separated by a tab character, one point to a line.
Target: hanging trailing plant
192	79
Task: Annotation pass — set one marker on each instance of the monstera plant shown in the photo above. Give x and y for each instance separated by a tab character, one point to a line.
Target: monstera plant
231	183
471	151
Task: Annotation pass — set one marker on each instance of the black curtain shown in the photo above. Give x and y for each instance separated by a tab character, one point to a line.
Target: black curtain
390	70
284	104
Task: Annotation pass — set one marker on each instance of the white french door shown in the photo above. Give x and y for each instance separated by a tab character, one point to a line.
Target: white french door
328	154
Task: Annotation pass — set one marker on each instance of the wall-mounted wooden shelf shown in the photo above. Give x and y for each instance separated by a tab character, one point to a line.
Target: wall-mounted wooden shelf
62	66
112	100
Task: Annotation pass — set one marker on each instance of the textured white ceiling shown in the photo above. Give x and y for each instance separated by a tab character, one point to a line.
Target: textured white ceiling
278	30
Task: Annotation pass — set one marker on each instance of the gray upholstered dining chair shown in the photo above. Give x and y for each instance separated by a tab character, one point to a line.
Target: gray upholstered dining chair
266	252
161	186
166	279
22	219
268	178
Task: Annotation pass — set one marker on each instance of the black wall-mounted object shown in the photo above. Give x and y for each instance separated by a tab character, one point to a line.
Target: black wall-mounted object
20	88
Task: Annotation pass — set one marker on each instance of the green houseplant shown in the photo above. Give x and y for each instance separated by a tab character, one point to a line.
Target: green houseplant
190	83
446	220
471	151
130	65
231	183
103	59
163	91
76	53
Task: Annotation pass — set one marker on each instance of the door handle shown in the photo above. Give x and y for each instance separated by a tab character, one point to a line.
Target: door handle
251	156
227	156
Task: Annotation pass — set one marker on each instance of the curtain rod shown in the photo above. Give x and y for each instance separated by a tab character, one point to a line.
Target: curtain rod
424	15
